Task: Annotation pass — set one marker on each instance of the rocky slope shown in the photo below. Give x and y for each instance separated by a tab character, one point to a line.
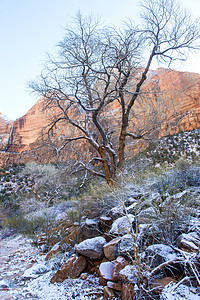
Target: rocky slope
144	245
173	105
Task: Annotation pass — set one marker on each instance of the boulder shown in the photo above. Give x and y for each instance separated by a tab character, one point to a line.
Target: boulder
110	249
4	285
148	213
132	207
189	242
73	267
123	225
129	273
92	248
90	228
119	264
105	270
126	246
157	254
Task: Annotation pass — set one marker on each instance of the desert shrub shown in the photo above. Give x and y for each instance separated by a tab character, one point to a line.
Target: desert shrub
47	182
96	199
185	174
30	226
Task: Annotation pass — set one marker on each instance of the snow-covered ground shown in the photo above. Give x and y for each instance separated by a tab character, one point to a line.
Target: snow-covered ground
24	274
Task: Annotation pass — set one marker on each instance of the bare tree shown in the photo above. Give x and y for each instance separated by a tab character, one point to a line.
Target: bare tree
100	68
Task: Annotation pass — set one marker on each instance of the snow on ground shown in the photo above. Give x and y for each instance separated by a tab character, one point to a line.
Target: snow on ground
78	289
179	292
19	260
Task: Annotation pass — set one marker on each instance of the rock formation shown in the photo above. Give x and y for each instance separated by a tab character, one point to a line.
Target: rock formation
170	103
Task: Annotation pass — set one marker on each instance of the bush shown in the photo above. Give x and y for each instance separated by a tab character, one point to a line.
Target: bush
30	226
179	178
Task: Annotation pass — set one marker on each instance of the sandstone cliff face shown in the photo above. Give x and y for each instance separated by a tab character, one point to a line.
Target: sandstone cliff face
170	103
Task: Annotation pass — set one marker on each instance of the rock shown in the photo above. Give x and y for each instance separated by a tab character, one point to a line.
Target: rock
127	292
131	208
129	201
126	246
92	248
123	225
170	83
3	285
35	271
115	286
84	276
108	293
105	270
105	223
157	254
116	212
56	248
181	196
90	228
119	264
110	249
189	242
102	281
72	268
129	273
148	213
158	284
44	248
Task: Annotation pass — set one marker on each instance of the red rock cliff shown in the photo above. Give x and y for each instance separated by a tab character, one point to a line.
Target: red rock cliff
173	105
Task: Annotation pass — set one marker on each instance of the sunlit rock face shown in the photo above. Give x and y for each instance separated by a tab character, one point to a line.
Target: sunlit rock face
170	103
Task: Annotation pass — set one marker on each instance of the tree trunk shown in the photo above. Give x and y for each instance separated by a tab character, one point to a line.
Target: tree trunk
122	140
106	167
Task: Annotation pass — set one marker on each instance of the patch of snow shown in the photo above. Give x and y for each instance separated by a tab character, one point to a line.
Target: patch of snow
35	271
5	119
3	284
90	222
181	292
41	288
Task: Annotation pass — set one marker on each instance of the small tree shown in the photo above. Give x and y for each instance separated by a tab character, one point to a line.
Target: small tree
98	68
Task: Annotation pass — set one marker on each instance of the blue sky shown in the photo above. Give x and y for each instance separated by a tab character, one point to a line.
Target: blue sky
30	28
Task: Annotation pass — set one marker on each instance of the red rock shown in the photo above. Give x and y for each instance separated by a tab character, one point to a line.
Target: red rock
56	248
189	242
102	281
119	264
158	284
105	223
108	293
72	268
109	249
92	248
127	292
114	286
177	104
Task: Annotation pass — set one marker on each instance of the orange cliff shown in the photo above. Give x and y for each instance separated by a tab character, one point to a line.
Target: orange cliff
170	103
